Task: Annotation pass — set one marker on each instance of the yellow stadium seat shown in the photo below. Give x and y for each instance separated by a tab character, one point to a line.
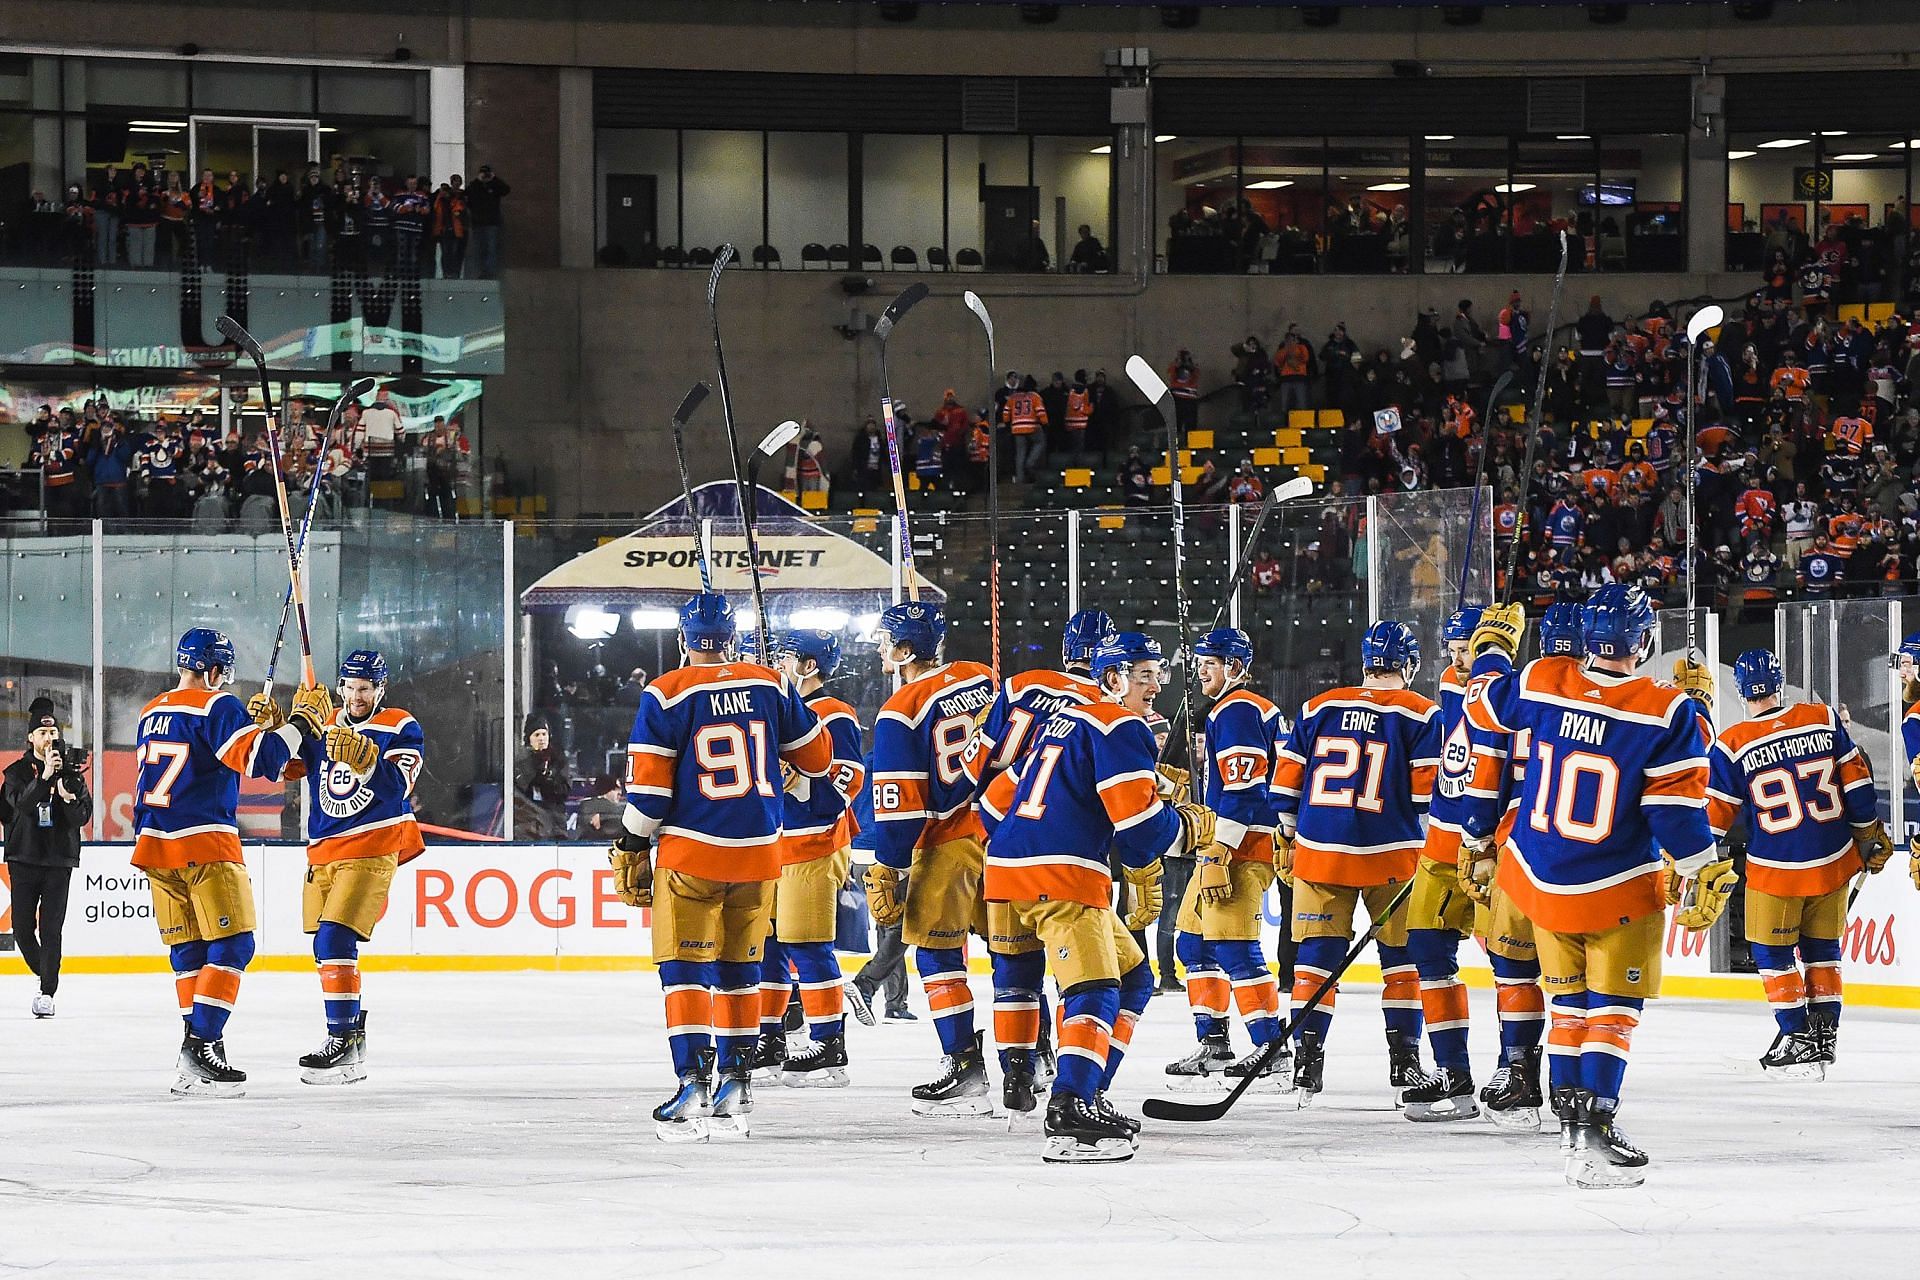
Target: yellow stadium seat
502	507
1190	475
1266	457
1300	418
814	500
389	490
467	506
1289	438
1879	311
1640	429
1113	522
1079	477
913	482
1315	472
1204	439
1296	457
866	524
1851	311
1516	413
1331	418
1162	476
868	511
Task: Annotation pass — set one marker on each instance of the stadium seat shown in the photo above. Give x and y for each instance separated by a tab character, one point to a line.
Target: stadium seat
870	255
1516	413
905	259
1113	522
937	257
837	253
969	260
1266	457
1879	312
1078	478
765	255
1199	439
1296	457
1641	427
1315	472
814	499
1301	419
1289	438
811	255
1331	418
672	257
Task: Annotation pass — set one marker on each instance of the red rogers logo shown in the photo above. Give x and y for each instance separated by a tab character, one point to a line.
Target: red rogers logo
491	897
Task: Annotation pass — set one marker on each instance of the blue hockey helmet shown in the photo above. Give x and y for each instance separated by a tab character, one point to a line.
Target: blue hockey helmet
1562	631
1225	642
917	625
1909	649
364	664
1617	621
1461	622
1085	630
1390	646
203	649
1122	649
706	622
1757	674
822	646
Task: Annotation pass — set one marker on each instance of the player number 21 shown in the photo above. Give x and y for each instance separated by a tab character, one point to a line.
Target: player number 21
1337	760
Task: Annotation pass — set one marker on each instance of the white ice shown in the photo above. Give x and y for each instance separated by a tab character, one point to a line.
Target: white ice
504	1132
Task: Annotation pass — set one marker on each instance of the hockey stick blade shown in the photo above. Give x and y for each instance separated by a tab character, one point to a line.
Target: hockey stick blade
1150	383
909	298
780	437
237	335
690	404
1711	316
721	257
979	308
1290	490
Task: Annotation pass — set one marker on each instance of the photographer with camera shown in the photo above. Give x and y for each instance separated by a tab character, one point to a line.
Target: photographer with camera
44	804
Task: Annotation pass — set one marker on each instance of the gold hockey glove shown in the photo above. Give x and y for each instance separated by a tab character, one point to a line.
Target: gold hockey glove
632	870
1704	896
886	894
312	708
352	748
265	712
1148	896
1216	877
1695	679
1501	627
1283	857
1874	845
1173	785
1913	861
1478	859
1196	826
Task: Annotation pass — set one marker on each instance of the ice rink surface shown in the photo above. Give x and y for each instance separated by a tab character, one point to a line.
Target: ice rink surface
504	1132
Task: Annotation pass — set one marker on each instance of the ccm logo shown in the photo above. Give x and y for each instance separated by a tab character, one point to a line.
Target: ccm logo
490	898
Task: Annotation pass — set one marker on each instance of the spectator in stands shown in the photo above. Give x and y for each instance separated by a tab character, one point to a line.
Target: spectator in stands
1103	416
140	214
1088	253
1079	414
1183	380
1025	414
450	227
442	471
108	197
1053	398
1252	371
601	813
1465	341
110	463
929	464
867	463
1136	479
1245	487
412	211
540	809
483	212
1293	365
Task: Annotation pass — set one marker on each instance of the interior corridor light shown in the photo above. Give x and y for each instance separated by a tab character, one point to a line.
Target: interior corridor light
1270	184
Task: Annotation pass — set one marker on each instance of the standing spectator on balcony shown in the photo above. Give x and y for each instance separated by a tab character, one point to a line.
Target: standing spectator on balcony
110	462
377	219
868	462
1183	379
279	220
411	211
1293	362
57	454
350	238
108	198
450	227
442	469
1465	341
1088	254
231	216
1252	371
159	463
316	219
483	210
1054	400
140	213
204	218
176	209
1136	480
381	425
1026	415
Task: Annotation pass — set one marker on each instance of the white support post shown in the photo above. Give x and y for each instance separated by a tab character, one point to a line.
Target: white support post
1806	648
1719	716
1073	562
1833	655
1896	749
1780	641
1374	559
510	607
1233	560
97	733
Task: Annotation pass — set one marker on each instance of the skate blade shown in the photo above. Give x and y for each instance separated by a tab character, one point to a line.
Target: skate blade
195	1087
957	1109
332	1075
1598	1175
1022	1121
1437	1113
1197	1084
1303	1098
1799	1073
679	1132
830	1078
1271	1085
730	1128
1105	1151
768	1075
1518	1120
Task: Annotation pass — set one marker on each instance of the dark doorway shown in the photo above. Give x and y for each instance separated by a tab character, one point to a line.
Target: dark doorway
631	220
1010	213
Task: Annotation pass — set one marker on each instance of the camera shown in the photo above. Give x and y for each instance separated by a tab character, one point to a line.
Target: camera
73	764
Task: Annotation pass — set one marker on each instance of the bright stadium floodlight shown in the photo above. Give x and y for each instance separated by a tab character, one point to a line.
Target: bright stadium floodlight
591	622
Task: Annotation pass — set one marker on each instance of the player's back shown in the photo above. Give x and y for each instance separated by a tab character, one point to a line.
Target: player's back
705	755
1614	765
922	795
191	748
819	818
1807	787
1357	771
1088	782
1471	763
1242	747
1025	702
360	817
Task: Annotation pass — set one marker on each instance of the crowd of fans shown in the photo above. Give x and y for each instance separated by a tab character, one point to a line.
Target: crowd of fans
323	220
94	461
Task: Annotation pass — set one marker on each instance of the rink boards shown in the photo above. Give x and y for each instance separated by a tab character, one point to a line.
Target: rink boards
543	906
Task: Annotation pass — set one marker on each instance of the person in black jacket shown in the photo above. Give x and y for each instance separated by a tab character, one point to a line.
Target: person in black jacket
44	803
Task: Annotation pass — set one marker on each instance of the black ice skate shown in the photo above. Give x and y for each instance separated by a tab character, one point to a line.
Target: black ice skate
341	1060
1825	1030
1563	1100
1795	1055
961	1089
1275	1077
861	1003
1602	1157
1078	1134
732	1103
683	1117
768	1056
1309	1067
1404	1073
1447	1095
822	1066
1045	1065
1104	1105
203	1071
1512	1098
1019	1090
1205	1067
796	1015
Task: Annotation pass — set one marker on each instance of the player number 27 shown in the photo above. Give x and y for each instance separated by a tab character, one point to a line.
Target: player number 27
172	758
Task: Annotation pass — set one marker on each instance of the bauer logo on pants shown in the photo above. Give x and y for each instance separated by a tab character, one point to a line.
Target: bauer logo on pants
346	792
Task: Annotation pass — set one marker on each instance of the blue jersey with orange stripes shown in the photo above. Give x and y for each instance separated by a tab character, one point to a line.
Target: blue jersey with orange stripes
1910	734
1025	702
1470	761
819	820
355	815
705	753
922	795
192	747
1241	747
1805	787
1357	772
1087	786
1616	766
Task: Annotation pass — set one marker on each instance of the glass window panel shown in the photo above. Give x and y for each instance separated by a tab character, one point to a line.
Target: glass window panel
1195	181
1640	204
637	195
129	82
1074	177
1760	192
806	194
30	80
1869	194
31	186
1466	209
900	179
400	95
1369	205
261	89
373	151
724	173
1282	220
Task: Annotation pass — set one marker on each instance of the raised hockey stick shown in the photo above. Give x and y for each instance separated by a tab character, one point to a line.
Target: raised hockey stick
352	393
721	258
1154	388
1190	1112
1702	320
681	416
235	333
883	329
979	309
1500	386
773	442
1533	423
